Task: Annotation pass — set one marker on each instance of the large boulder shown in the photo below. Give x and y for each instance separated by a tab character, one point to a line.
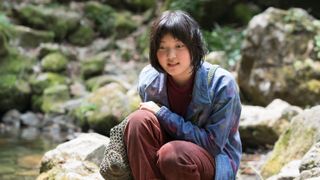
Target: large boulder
260	127
280	58
294	143
79	158
106	107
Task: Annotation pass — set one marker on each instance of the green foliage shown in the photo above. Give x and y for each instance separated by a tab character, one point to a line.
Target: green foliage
244	12
5	34
15	64
4	21
225	39
143	45
190	6
142	4
86	106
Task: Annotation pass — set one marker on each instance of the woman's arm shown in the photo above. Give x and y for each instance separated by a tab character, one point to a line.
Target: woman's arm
221	122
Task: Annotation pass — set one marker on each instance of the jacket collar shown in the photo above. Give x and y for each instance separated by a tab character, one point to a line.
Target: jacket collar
201	93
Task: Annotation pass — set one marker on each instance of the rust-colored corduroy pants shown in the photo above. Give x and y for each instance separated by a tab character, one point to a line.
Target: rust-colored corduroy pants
153	156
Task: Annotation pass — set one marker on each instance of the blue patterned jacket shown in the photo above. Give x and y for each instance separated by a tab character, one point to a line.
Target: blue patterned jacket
212	118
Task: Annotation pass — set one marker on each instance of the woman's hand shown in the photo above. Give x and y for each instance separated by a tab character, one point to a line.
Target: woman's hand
149	106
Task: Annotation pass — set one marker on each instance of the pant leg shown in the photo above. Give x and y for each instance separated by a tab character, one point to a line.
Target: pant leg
143	138
185	160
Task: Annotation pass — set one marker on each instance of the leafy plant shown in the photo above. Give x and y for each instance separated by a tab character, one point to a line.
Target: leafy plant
4	20
225	39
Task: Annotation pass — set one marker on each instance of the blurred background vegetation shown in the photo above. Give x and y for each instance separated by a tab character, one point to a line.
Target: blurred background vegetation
222	21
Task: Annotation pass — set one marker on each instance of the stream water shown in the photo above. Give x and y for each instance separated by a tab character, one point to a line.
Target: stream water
20	154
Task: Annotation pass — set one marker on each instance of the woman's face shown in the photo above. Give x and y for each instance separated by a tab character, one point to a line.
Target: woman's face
174	57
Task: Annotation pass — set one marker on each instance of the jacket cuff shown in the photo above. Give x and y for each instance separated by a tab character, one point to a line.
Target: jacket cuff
162	112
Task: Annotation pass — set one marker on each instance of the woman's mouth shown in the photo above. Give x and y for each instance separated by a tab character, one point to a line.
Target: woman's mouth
172	64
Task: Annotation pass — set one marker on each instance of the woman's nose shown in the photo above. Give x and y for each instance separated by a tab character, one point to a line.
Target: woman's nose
171	53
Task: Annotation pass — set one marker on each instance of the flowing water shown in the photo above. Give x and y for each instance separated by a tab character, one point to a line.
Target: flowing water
20	154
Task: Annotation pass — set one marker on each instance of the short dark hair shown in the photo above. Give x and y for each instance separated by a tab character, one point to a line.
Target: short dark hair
181	26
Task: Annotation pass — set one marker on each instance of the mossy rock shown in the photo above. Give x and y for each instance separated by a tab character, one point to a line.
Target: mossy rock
102	15
16	64
54	19
54	62
28	37
93	66
99	81
40	82
106	107
54	97
83	36
295	141
62	25
124	24
15	93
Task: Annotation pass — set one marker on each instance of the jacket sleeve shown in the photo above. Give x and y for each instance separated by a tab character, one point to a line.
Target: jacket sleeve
222	120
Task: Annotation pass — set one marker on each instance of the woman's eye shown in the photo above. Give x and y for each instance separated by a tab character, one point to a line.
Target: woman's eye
179	46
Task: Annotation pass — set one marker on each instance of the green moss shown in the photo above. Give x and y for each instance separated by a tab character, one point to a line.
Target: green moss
54	62
14	93
83	36
32	38
42	81
54	97
293	144
33	16
15	64
93	66
61	26
102	15
4	49
7	82
313	85
124	24
53	19
299	19
99	81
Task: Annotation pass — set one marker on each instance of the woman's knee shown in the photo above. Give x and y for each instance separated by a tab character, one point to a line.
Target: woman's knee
140	117
140	120
169	154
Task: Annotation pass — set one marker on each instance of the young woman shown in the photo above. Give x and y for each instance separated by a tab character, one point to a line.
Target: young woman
187	124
